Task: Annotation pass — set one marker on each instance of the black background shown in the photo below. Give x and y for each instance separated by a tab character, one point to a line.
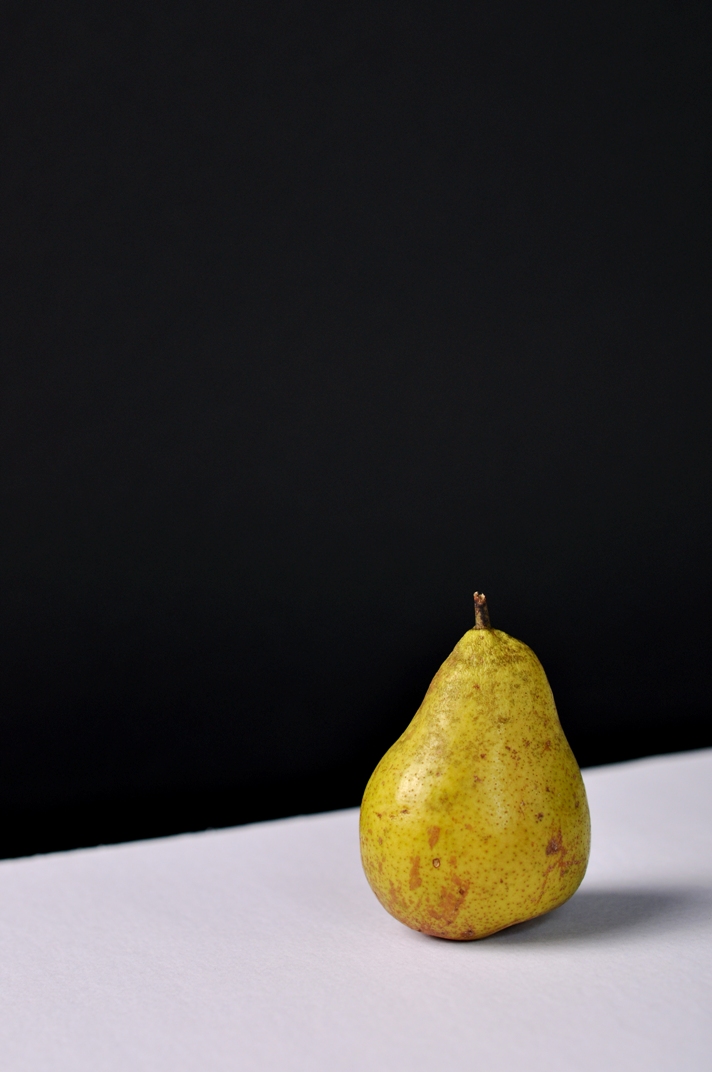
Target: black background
317	318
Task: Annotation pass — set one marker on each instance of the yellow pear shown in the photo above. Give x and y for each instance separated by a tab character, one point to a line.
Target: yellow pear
477	818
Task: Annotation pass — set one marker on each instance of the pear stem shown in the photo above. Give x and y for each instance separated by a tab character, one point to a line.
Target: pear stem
482	618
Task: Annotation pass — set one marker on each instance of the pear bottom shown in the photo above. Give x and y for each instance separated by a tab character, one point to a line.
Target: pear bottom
463	887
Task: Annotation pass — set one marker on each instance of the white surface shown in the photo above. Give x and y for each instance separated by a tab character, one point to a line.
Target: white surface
263	948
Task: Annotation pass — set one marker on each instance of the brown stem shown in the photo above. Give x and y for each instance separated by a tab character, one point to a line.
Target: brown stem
482	618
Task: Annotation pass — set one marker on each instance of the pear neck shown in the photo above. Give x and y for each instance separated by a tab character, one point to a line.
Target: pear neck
482	618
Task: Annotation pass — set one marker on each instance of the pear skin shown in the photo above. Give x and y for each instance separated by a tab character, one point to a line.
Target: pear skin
476	818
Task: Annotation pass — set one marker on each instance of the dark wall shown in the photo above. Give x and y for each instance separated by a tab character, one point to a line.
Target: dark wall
317	318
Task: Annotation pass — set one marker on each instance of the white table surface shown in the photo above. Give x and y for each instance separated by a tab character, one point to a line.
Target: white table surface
262	947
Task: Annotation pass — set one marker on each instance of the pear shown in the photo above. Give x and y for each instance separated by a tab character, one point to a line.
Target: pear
476	818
